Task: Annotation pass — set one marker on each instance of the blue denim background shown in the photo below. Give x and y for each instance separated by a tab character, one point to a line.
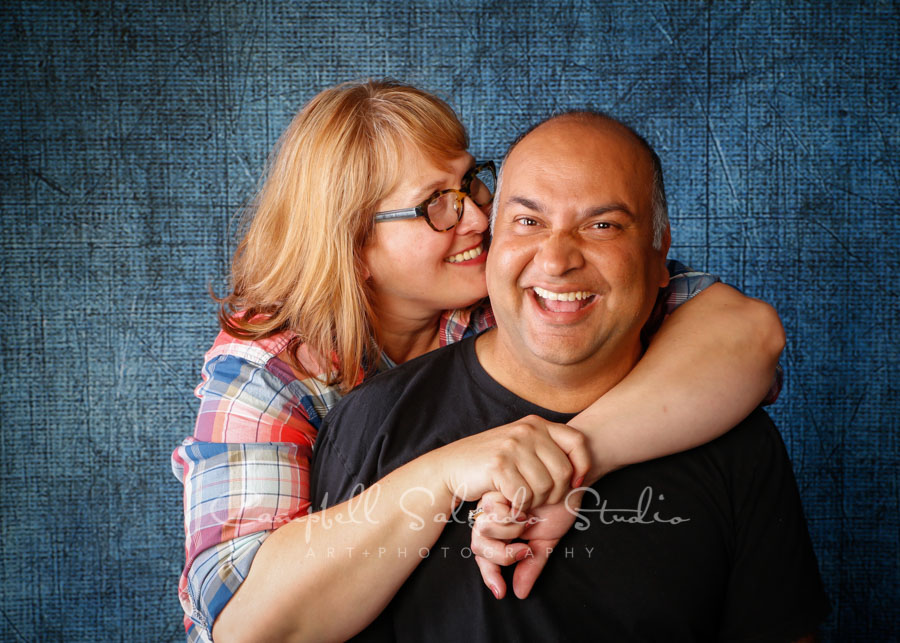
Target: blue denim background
131	133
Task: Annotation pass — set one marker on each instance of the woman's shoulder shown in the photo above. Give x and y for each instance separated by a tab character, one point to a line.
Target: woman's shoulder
282	351
256	351
274	376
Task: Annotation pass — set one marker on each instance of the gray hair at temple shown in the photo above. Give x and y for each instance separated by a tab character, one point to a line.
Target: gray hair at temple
660	214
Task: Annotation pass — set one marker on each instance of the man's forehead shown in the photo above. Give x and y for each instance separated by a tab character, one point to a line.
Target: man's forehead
579	137
579	159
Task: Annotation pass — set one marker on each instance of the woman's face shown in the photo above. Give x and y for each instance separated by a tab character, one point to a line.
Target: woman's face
415	271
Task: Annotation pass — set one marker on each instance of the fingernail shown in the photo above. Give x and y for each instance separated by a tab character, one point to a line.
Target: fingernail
578	482
496	592
522	555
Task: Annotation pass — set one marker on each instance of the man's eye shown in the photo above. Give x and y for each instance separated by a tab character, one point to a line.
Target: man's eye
601	225
526	221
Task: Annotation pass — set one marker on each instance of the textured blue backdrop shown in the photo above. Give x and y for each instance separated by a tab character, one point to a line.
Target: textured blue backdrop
131	133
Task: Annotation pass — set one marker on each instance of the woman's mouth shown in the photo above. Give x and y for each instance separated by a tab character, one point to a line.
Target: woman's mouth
466	255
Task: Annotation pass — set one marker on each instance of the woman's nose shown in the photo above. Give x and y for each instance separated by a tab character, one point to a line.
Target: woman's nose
474	219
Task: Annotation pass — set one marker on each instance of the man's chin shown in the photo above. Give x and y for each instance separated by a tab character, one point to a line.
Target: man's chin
562	352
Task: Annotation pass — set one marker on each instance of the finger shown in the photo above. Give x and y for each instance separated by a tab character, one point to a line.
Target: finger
575	445
499	552
515	488
490	574
528	570
538	529
545	469
560	469
491	499
498	521
551	475
505	529
538	459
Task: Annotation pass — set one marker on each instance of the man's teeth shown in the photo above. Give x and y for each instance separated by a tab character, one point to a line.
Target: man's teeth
465	256
577	295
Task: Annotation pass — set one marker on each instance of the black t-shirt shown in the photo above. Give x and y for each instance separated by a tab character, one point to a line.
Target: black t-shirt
710	544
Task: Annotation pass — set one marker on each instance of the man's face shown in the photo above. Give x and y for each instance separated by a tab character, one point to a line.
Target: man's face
572	273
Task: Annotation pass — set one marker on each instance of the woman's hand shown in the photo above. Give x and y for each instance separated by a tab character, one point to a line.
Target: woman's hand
531	462
496	528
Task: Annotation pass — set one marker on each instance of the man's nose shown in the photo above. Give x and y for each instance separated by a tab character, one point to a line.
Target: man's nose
474	220
559	253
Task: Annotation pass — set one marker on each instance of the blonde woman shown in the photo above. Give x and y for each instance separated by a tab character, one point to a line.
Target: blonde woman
365	248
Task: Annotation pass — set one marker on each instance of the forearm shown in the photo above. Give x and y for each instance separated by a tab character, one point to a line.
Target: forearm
328	575
706	368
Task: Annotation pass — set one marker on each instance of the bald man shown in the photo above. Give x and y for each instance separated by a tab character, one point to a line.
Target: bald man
710	544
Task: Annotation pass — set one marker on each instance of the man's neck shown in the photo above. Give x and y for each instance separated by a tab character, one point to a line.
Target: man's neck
565	388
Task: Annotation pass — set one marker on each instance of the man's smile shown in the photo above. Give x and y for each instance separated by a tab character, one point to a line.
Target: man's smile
563	304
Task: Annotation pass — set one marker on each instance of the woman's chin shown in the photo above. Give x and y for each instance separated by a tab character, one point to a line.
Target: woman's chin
464	300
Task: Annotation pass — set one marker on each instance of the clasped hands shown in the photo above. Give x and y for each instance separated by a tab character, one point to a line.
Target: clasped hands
501	538
523	475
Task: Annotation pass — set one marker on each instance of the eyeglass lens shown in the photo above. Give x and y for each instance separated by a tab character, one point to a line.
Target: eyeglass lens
444	210
481	189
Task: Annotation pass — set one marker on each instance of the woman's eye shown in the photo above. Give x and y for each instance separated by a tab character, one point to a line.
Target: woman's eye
601	225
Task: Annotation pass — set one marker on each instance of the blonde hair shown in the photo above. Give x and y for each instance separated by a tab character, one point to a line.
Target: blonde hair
298	265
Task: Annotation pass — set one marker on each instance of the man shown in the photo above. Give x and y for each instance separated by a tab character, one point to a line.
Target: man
704	545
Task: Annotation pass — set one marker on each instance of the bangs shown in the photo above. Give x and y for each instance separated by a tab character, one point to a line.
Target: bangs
401	121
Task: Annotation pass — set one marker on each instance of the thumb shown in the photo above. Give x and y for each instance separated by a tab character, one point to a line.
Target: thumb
528	569
575	445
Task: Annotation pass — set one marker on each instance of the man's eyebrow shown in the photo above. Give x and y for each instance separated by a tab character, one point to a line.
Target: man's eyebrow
587	214
525	203
609	207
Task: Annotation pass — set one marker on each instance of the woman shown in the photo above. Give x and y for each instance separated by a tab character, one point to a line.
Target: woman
323	296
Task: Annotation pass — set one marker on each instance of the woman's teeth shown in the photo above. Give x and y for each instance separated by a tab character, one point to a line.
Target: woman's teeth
577	295
465	256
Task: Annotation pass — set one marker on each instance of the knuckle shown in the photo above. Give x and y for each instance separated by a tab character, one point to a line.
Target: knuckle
497	460
521	431
563	478
527	496
543	487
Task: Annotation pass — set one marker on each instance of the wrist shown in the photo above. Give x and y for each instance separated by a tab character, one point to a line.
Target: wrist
431	473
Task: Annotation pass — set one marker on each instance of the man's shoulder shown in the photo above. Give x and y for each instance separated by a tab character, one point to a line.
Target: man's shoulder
755	435
384	389
364	410
756	427
753	447
384	423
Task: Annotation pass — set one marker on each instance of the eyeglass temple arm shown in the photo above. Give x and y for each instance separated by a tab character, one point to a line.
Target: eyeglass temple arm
391	215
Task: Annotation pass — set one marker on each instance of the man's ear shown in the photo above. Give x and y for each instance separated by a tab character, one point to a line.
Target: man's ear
663	254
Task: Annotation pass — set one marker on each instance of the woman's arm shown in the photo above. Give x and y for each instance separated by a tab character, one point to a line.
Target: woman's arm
706	368
312	580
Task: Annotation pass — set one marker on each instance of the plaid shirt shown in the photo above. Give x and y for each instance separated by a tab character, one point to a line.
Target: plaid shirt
245	471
